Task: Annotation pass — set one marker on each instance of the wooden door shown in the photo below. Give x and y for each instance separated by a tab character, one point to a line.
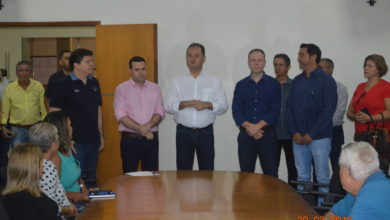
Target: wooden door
115	45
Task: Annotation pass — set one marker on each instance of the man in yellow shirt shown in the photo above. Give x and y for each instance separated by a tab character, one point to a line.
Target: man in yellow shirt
22	104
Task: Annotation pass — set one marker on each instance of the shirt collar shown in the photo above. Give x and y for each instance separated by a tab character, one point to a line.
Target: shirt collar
201	75
264	78
132	83
74	77
373	176
314	73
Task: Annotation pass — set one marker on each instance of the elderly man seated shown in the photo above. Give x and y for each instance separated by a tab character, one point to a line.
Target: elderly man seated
368	188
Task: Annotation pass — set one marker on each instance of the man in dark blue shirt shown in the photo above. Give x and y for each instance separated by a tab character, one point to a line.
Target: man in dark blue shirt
256	107
282	66
80	97
57	77
310	107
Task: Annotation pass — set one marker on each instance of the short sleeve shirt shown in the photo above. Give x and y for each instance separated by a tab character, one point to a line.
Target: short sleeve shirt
373	101
54	80
81	102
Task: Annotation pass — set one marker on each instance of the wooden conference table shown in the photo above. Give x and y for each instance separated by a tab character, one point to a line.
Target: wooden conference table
199	195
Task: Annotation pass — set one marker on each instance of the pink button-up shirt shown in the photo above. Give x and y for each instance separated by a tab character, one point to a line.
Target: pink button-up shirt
140	103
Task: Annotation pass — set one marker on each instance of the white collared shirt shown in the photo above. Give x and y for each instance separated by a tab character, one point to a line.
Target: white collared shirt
207	88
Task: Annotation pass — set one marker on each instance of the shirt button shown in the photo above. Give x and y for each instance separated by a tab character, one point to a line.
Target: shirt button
255	109
256	92
255	100
254	118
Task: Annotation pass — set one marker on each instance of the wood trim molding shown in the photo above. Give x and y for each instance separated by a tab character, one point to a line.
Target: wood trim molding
50	24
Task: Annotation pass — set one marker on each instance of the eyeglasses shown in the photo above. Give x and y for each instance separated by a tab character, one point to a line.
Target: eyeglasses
360	97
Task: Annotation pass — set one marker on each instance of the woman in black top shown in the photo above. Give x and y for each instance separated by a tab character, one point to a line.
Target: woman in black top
23	198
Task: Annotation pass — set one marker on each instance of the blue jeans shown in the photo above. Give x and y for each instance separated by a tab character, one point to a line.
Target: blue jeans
21	136
134	149
317	151
265	148
189	141
337	142
87	155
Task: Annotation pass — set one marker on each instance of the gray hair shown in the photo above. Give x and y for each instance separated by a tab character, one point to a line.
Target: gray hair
22	63
360	158
43	134
329	62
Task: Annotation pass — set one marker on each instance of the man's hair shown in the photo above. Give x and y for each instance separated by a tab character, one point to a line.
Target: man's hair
284	57
380	63
256	50
197	45
360	158
62	53
136	59
60	120
77	56
312	49
23	170
329	62
24	62
43	134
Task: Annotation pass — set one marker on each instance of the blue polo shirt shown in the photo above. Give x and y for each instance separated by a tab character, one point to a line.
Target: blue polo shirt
254	102
311	104
371	202
81	102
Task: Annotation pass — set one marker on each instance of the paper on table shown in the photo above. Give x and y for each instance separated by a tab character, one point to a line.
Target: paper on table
143	173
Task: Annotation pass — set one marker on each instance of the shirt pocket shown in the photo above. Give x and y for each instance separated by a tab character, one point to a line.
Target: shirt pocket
207	95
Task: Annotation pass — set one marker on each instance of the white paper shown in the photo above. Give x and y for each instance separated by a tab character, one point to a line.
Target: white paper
143	173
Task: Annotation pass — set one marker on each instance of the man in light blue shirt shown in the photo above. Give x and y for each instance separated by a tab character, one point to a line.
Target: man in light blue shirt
368	188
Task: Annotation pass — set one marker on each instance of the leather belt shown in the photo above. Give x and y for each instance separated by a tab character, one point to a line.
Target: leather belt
135	135
196	129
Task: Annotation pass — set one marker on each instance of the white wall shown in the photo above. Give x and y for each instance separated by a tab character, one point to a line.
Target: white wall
346	31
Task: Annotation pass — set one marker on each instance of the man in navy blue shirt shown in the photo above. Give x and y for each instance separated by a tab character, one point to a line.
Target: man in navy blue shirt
57	77
256	107
310	107
80	97
282	65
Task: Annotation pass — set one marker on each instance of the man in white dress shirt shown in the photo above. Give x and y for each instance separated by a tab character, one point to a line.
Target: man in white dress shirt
195	98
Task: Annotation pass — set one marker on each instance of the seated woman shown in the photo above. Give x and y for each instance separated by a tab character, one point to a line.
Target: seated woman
23	198
45	136
67	166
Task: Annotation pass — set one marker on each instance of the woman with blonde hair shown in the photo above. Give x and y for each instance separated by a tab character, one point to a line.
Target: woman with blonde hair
23	198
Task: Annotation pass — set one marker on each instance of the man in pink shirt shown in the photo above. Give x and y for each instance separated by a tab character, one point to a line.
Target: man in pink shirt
138	107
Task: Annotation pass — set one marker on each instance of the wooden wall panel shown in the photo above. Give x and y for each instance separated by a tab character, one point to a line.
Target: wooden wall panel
115	45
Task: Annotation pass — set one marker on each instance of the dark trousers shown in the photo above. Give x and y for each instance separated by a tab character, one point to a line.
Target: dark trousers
265	148
134	149
5	144
384	165
189	141
87	155
337	142
289	155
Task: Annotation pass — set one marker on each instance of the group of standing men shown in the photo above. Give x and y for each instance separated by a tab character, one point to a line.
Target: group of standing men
271	113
